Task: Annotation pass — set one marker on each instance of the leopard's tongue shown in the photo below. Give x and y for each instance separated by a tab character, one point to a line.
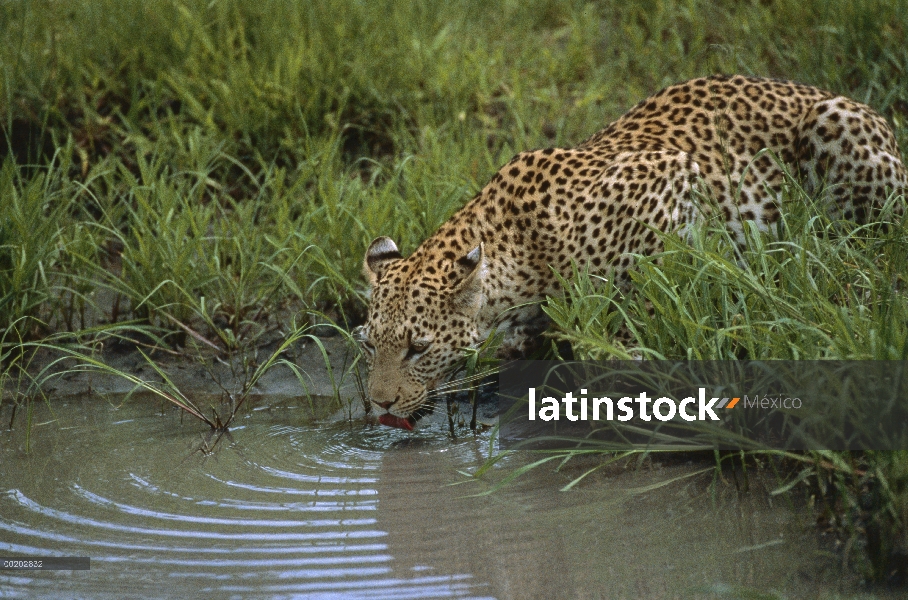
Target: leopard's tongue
395	421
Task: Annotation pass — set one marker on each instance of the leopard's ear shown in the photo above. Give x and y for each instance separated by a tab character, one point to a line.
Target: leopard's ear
468	293
381	254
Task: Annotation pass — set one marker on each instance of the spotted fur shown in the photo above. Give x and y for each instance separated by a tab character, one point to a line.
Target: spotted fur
596	203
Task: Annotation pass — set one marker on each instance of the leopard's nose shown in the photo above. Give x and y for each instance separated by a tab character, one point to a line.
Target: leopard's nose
385	405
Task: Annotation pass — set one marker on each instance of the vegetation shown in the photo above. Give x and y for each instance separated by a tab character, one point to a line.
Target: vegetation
211	170
216	164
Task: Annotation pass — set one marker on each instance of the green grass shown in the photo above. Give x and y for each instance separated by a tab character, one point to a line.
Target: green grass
182	172
325	132
812	288
222	165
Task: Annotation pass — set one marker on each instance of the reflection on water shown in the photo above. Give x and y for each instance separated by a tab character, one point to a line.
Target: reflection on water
349	510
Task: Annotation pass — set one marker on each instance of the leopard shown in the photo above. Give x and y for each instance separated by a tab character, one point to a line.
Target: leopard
740	140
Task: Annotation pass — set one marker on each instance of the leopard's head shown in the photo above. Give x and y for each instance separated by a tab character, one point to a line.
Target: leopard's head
422	314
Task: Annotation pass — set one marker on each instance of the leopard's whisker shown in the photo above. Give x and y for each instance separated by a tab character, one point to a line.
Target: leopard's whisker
461	380
461	384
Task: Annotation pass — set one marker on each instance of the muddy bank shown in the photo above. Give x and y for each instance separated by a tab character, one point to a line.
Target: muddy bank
325	378
202	373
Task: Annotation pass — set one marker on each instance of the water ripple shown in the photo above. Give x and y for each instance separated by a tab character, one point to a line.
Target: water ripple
274	510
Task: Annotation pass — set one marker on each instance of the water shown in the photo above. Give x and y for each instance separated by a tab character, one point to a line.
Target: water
287	506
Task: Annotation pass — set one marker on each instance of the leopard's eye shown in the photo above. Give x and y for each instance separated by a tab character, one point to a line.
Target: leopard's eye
417	347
